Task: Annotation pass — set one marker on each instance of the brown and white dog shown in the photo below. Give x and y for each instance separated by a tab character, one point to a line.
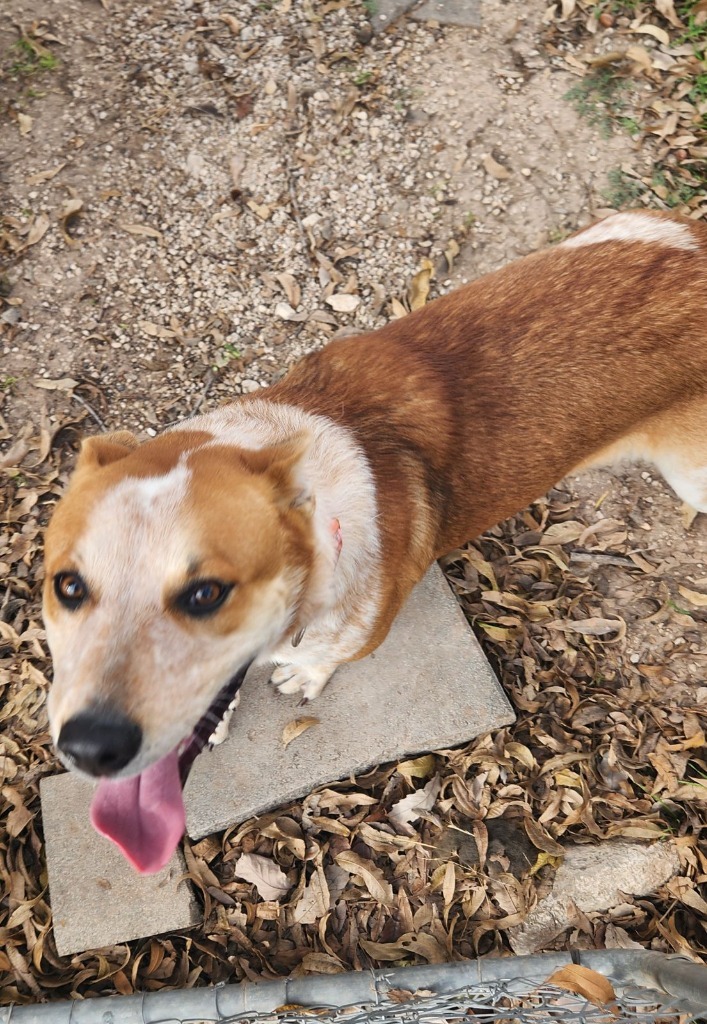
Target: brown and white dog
290	527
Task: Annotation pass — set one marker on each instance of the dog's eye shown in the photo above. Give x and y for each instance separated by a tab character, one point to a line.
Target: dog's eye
70	589
203	597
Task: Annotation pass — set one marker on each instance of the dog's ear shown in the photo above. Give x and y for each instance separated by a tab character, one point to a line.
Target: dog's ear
106	448
284	464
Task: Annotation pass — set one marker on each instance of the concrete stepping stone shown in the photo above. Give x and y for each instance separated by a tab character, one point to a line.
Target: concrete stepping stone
427	687
97	898
386	12
466	13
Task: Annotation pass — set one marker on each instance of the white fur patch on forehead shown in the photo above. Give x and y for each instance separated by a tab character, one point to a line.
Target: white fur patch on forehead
635	227
130	528
169	488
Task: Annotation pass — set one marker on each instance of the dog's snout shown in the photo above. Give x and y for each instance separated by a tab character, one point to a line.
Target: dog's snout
100	742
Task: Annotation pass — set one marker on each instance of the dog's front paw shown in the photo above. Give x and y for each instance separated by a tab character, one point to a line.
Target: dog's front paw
310	679
220	733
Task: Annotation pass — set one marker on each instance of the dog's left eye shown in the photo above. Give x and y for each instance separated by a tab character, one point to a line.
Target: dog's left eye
203	597
70	589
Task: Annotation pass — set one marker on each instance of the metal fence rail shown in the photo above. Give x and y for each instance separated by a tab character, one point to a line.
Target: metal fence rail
650	988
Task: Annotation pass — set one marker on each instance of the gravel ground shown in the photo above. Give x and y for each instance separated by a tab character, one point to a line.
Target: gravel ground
236	167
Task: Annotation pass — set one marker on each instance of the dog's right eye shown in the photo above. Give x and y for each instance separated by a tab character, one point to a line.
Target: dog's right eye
203	597
70	589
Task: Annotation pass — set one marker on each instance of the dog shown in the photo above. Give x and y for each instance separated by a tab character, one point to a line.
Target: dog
290	527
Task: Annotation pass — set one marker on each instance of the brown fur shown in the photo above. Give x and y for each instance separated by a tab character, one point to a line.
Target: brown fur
475	405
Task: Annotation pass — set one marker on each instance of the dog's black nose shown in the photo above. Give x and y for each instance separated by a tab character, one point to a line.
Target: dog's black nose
100	742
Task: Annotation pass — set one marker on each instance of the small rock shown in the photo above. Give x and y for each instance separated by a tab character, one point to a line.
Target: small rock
594	878
365	33
343	303
249	386
11	315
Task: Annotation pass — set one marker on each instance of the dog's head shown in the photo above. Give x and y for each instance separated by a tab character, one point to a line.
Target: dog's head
170	567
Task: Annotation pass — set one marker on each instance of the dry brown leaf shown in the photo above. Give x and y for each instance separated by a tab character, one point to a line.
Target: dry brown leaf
37	231
684	890
291	289
236	166
261	210
418	768
667	9
519	752
270	880
412	806
640	56
563	533
62	384
495	169
69	209
451	253
318	963
25	123
397	310
420	285
143	230
19	817
541	840
313	904
426	946
155	330
384	842
584	982
380	889
694	597
42	176
593	626
449	884
652	30
386	952
234	25
296	727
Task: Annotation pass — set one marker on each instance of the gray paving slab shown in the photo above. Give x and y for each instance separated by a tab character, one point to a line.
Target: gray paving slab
450	12
386	12
428	686
97	899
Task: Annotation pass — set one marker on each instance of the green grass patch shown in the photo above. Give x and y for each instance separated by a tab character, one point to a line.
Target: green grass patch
31	59
624	190
599	98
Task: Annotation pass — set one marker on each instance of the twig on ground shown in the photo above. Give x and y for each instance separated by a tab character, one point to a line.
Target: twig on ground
90	410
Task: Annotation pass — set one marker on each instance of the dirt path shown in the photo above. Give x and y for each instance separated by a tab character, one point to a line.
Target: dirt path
194	194
210	149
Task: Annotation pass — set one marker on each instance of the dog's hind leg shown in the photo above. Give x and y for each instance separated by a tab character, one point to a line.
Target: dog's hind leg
675	442
678	448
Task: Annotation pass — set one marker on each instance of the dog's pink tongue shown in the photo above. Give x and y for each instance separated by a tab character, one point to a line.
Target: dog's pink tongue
144	816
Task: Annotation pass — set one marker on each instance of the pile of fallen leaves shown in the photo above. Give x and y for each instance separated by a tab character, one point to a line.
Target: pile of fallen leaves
659	49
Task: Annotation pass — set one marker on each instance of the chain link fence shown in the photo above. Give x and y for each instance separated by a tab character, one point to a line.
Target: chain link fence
644	986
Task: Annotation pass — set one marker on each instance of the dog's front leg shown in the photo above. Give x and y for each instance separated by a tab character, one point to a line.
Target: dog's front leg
310	679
